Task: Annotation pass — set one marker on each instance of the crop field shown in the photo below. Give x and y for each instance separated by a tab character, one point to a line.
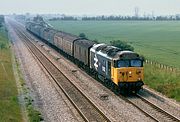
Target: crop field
156	40
9	106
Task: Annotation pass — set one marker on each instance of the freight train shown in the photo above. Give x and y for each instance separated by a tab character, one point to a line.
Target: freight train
121	70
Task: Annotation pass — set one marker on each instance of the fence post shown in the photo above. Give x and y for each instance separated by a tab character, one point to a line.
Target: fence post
163	66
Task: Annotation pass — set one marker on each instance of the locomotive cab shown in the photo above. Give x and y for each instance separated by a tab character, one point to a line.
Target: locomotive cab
123	68
127	71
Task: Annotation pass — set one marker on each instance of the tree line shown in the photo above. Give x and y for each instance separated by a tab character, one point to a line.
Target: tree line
132	18
99	18
63	18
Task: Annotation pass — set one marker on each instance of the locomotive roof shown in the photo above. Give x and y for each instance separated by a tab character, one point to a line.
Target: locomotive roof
98	47
112	52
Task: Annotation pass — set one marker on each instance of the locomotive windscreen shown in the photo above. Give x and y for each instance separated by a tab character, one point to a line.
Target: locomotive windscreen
129	63
129	56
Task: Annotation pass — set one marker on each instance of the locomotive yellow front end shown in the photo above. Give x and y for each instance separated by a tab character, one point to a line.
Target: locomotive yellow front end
127	72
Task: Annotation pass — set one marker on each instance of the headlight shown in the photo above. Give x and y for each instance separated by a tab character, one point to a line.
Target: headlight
130	72
139	79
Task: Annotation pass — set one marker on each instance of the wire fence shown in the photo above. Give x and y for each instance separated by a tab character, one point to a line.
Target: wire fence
163	66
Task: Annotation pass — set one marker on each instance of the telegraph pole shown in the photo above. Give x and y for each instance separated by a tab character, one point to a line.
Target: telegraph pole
136	12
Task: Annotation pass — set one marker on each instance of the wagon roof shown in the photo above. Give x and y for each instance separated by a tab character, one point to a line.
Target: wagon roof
53	31
85	43
66	36
70	38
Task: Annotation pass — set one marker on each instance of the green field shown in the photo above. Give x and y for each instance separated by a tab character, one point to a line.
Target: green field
9	107
156	40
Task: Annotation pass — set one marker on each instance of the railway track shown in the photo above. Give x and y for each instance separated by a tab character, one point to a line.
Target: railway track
85	107
168	116
150	110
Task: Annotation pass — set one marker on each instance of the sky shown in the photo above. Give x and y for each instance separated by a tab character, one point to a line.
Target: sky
91	7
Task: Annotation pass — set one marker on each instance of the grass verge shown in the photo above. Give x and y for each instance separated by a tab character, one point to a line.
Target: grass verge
9	107
163	81
33	114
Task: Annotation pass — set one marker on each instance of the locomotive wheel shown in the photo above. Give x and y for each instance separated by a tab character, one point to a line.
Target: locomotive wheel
112	86
116	90
109	84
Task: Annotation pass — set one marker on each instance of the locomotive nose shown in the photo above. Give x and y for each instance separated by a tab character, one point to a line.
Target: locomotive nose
131	78
131	74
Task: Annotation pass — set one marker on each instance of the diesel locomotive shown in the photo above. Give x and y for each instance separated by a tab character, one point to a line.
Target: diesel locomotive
122	70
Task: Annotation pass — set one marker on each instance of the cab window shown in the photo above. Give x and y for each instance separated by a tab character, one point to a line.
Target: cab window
123	63
136	63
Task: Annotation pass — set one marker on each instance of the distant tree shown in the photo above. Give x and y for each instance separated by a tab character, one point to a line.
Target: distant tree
96	41
1	18
38	19
121	44
82	35
64	17
143	57
2	46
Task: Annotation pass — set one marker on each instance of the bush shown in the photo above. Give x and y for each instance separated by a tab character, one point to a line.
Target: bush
122	45
2	46
96	41
82	35
143	57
